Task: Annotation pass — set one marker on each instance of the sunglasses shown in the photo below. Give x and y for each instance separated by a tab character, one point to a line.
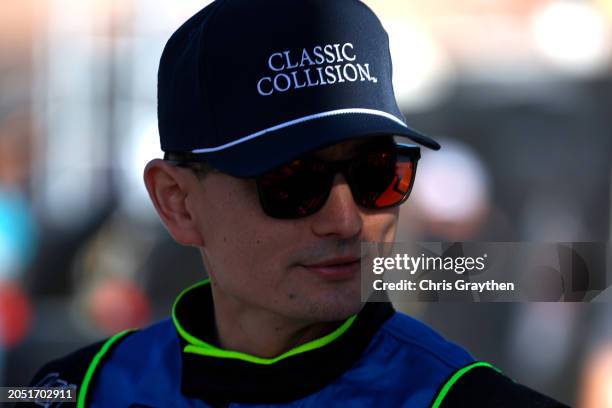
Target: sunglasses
379	178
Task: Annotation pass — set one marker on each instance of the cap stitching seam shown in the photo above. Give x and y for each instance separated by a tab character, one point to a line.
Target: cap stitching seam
205	51
301	120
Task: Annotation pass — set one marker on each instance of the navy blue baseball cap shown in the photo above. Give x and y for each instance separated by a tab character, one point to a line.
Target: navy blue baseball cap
250	84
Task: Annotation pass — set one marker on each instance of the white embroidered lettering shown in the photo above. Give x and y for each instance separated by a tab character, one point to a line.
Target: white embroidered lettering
333	63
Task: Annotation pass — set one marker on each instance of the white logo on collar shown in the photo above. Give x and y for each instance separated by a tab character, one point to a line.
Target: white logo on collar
321	65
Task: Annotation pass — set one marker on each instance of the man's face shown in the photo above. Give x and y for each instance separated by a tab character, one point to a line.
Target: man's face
306	268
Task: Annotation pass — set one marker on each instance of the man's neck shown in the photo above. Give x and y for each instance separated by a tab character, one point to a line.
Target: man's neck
259	332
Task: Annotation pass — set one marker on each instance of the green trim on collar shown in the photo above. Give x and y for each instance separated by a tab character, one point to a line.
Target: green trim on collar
184	334
93	365
198	346
455	377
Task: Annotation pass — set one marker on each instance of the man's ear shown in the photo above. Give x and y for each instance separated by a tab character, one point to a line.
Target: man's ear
169	188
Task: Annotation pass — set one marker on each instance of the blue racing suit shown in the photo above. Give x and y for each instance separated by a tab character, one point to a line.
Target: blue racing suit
377	358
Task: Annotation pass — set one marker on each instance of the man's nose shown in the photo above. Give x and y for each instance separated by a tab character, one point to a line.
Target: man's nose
340	217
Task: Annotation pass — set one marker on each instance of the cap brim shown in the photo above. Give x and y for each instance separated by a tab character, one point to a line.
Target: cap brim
270	149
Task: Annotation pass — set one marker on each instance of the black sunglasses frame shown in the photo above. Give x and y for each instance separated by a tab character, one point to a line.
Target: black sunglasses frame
412	152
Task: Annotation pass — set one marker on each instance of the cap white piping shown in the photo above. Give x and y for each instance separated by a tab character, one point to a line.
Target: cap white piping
300	120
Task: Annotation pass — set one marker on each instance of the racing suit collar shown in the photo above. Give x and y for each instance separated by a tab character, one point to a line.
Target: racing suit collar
218	376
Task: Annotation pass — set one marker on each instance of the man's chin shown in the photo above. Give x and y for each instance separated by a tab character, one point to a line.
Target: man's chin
333	306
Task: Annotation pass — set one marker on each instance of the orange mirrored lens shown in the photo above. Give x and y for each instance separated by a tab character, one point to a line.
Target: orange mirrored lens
399	188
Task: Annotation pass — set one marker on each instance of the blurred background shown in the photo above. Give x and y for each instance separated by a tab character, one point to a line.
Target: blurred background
519	92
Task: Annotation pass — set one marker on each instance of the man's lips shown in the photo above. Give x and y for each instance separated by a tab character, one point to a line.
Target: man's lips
335	269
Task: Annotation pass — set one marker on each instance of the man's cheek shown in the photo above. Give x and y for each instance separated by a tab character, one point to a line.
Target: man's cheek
270	257
380	228
390	231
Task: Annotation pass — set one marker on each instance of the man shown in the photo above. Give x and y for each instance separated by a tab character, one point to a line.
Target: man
276	117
